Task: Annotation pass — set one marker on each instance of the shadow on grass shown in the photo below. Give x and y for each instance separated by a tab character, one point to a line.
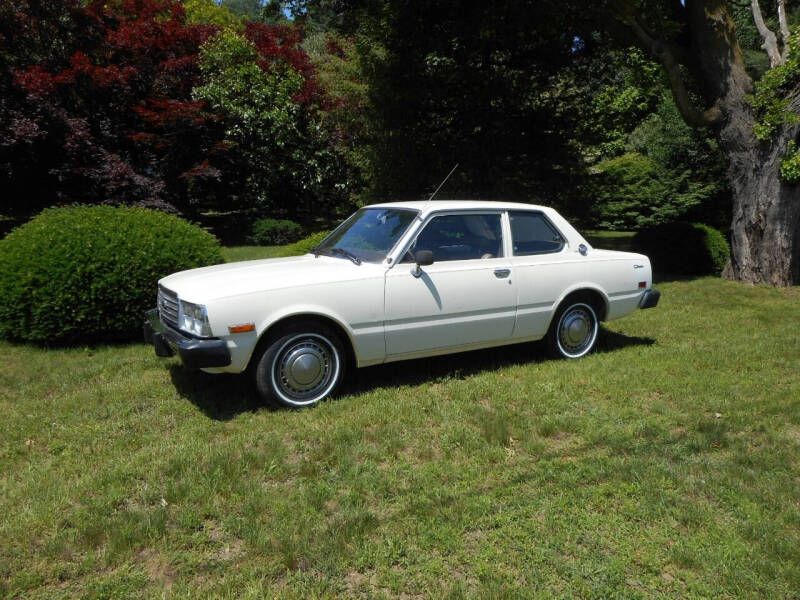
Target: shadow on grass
220	397
612	340
223	397
466	364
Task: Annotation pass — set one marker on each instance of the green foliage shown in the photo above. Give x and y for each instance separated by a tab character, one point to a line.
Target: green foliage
274	232
790	164
666	138
250	10
208	12
771	101
259	113
755	59
86	274
305	245
272	13
286	158
630	86
670	172
684	248
341	71
636	192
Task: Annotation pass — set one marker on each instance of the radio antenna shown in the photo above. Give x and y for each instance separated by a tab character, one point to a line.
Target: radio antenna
443	182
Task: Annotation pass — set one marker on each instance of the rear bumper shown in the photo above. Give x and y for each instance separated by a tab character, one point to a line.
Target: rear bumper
650	299
194	353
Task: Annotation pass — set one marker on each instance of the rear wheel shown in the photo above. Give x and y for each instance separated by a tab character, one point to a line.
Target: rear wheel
302	364
573	332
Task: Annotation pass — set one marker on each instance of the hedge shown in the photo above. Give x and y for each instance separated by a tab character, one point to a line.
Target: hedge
274	232
684	248
86	274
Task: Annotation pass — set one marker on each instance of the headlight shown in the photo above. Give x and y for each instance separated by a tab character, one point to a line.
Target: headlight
193	319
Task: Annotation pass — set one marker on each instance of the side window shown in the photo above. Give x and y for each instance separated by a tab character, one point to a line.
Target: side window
460	237
532	233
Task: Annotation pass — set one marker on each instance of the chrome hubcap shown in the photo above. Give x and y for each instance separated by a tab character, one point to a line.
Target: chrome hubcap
577	330
305	368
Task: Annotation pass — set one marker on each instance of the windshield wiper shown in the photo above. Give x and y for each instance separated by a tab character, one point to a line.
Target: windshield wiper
317	250
347	254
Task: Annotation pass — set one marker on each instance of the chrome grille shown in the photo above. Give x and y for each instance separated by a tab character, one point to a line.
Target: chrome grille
168	306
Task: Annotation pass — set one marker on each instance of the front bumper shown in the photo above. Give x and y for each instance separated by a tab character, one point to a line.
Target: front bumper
194	353
649	299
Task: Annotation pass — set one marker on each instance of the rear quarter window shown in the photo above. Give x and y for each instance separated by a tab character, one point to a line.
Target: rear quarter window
532	233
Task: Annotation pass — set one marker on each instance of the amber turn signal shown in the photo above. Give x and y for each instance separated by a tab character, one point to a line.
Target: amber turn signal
242	328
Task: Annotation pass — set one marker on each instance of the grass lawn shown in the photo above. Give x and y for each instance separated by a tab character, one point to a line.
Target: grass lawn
665	464
236	253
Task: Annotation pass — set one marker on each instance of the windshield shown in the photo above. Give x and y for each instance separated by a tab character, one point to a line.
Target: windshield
369	234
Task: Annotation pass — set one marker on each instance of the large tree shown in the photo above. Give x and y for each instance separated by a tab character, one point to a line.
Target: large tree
467	83
695	41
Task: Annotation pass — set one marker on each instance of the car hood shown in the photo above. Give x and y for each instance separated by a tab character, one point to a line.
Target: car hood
252	276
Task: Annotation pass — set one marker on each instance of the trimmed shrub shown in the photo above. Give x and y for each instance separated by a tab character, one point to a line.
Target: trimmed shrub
274	232
305	245
86	274
684	248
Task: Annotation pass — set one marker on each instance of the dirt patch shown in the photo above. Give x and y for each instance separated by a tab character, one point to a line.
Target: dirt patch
356	581
364	585
229	551
561	441
226	549
293	457
157	567
473	539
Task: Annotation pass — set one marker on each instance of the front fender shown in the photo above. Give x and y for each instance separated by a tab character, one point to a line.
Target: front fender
310	310
353	306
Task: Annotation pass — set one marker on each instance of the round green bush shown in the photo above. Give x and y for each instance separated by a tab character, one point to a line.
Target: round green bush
684	248
274	232
305	245
85	274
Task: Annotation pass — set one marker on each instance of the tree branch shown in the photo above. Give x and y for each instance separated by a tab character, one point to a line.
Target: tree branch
784	26
770	44
668	55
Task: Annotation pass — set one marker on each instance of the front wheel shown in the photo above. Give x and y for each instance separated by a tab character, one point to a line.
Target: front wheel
573	332
301	365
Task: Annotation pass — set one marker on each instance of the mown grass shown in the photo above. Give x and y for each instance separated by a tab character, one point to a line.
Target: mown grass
665	464
237	253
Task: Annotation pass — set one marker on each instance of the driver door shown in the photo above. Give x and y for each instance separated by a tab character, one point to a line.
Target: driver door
466	297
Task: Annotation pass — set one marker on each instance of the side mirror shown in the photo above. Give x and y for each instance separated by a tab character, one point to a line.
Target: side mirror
423	258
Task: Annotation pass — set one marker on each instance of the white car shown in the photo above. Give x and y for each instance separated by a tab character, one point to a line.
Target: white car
397	281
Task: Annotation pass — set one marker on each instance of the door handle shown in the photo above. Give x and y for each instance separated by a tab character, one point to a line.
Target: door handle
502	273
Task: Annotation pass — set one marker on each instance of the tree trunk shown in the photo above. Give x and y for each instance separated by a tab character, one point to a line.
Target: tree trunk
765	227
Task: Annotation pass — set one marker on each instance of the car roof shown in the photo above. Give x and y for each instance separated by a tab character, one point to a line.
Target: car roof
426	206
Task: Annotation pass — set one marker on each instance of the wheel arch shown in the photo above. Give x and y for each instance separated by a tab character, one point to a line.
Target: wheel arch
593	295
311	316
